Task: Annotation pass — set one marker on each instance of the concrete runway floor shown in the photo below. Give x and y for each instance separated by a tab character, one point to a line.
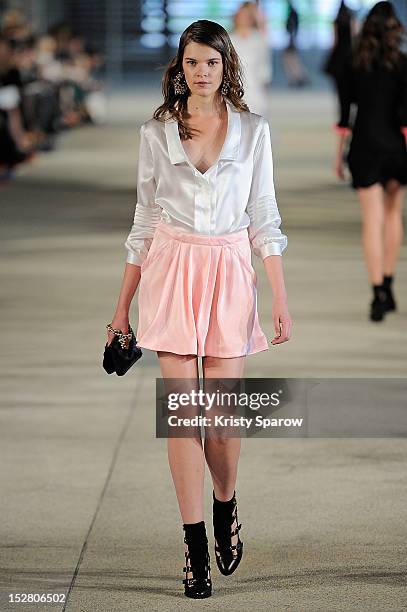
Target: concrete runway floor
88	509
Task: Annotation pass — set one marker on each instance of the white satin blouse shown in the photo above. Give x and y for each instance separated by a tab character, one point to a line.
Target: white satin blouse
235	193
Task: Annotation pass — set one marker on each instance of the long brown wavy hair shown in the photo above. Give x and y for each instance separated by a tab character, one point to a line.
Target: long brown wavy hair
380	40
213	35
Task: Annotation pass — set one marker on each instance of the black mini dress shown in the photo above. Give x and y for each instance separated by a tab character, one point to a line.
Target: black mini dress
373	105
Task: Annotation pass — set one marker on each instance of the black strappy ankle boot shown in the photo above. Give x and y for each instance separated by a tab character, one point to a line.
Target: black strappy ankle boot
197	560
378	305
228	556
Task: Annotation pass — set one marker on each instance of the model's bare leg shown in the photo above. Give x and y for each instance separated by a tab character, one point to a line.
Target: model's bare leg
222	453
393	225
372	205
185	455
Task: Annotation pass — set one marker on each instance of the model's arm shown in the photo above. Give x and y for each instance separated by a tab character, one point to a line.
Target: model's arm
131	279
342	128
281	317
339	155
266	238
138	241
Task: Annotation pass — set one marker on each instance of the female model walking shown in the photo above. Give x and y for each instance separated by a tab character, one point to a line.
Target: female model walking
205	197
345	27
375	80
249	38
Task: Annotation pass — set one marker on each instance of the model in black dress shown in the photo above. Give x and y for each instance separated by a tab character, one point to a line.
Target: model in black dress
373	108
344	31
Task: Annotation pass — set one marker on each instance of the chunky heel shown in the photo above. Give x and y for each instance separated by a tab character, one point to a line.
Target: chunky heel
228	555
197	562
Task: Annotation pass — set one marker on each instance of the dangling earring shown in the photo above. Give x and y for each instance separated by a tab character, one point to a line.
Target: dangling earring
225	87
180	87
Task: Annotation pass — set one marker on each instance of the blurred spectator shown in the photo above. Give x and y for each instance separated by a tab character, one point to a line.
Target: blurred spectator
15	143
62	34
14	26
40	99
249	37
293	67
49	67
47	83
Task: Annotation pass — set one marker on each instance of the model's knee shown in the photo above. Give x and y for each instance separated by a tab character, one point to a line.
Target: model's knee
186	439
392	187
217	438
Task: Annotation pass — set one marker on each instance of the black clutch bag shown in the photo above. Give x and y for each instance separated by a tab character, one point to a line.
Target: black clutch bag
121	353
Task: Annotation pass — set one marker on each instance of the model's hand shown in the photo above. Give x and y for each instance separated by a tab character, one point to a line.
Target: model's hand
339	167
119	322
282	321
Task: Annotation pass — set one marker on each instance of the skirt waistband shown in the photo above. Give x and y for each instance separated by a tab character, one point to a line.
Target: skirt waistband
240	236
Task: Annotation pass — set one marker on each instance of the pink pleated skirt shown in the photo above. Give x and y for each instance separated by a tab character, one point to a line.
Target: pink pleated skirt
198	295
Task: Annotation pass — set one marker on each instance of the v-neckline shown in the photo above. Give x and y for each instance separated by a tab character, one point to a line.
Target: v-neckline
221	151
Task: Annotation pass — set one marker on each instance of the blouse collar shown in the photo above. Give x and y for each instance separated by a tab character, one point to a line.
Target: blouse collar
230	149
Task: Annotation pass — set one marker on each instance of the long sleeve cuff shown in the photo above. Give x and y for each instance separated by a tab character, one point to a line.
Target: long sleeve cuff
140	237
147	211
135	258
341	129
137	249
276	247
265	235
